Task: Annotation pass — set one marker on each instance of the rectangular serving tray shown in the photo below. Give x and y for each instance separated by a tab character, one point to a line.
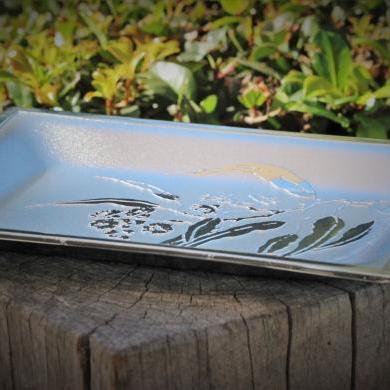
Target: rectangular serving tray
310	204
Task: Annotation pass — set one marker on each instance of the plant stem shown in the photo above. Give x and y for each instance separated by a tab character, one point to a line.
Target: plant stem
108	106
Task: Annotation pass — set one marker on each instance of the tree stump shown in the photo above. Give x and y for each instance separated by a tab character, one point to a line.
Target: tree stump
67	323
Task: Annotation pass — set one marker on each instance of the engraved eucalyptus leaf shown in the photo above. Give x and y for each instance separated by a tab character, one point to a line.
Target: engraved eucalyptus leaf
207	227
352	234
277	243
178	240
323	230
236	231
201	228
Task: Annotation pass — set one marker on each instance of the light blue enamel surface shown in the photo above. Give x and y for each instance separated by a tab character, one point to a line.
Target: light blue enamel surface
313	199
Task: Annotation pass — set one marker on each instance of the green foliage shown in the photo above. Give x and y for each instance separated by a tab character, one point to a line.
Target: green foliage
298	65
235	7
333	62
197	50
372	126
252	99
173	80
209	104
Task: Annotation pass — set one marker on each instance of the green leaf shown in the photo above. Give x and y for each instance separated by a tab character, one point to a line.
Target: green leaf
7	76
294	78
209	104
197	50
154	27
377	131
282	65
360	80
252	99
310	26
314	86
265	50
156	22
260	67
46	94
224	21
174	78
105	82
381	93
19	61
121	49
372	126
84	13
317	88
111	7
342	100
317	109
343	63
234	7
283	22
20	94
334	61
291	89
132	111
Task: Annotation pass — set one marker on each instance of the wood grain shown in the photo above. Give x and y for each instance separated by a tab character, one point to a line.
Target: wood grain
82	324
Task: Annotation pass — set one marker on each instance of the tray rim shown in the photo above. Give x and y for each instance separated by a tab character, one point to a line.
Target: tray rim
11	112
302	266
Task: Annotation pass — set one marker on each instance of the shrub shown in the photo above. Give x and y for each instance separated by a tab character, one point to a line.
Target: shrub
314	66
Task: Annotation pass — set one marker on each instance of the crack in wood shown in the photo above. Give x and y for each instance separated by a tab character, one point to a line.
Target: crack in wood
288	356
351	297
12	371
248	341
353	340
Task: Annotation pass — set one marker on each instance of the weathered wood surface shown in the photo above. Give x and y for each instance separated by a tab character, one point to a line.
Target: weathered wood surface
82	324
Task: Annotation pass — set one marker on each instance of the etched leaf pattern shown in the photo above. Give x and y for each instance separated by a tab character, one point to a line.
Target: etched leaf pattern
327	232
323	230
234	232
353	234
277	243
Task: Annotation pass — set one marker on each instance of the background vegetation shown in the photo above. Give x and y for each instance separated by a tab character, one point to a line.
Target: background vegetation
301	65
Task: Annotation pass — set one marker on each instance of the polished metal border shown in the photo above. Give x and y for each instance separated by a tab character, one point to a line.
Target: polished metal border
273	263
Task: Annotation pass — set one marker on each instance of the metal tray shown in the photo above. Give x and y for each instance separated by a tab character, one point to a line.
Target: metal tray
316	205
